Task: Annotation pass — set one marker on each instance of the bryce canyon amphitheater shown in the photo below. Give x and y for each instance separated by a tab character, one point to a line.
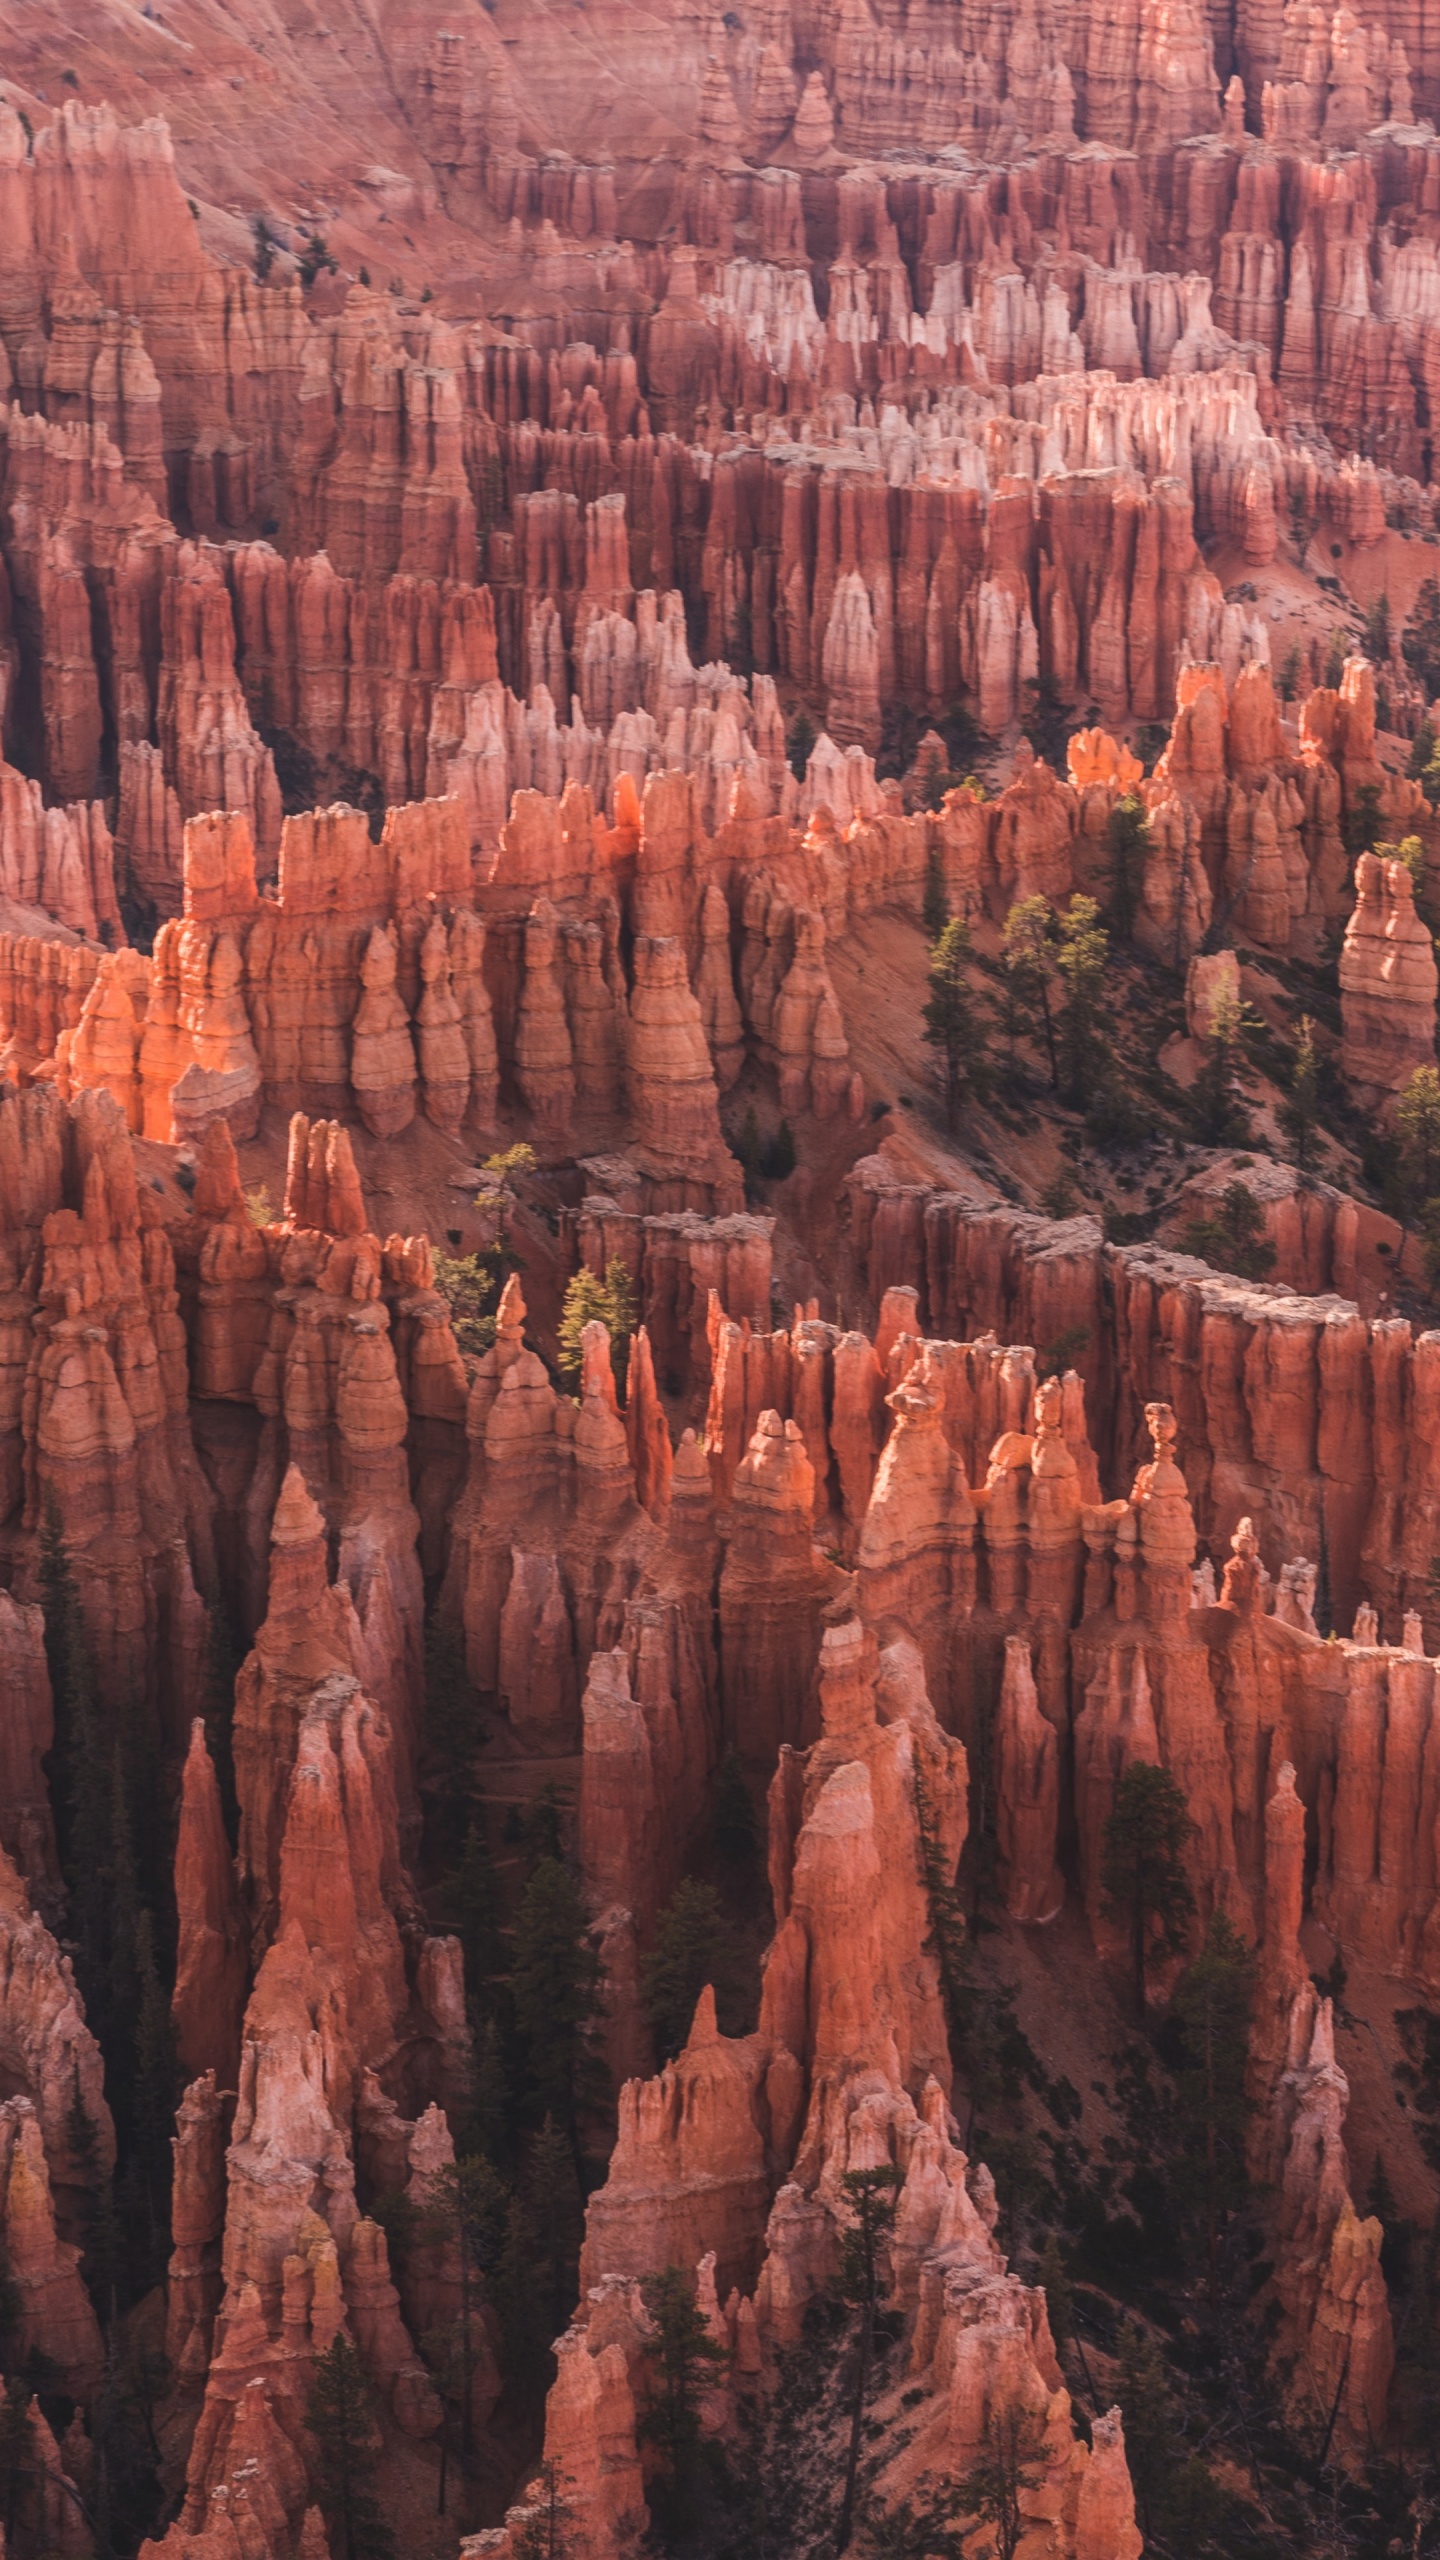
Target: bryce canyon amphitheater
719	1249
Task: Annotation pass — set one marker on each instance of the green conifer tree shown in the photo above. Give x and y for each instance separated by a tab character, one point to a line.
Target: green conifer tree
683	2360
555	1987
872	2196
1081	957
935	906
341	2413
693	1946
610	1302
1143	1879
1300	1112
1127	844
1217	1096
1027	960
953	1021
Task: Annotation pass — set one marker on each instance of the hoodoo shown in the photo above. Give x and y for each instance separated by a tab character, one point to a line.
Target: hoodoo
719	1263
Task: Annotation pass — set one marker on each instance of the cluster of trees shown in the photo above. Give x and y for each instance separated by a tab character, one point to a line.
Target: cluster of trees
1051	998
1051	992
1231	1236
470	1283
1414	1172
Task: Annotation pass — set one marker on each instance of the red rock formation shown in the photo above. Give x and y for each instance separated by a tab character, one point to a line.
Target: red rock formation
850	1979
1388	982
53	2058
548	1538
771	1591
1027	1780
886	433
1328	2275
210	1965
60	860
27	1732
701	2147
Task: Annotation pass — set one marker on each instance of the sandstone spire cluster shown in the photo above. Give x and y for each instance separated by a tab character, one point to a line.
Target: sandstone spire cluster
511	541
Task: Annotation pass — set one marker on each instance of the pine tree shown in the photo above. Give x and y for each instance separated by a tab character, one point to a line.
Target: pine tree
1300	1113
555	1987
1411	854
1216	1096
873	2198
610	1302
683	2360
1420	644
1142	1879
552	2193
545	2533
533	2284
979	2021
935	907
341	2413
1151	2444
1127	843
1417	1134
496	1197
1081	957
693	1946
466	2205
997	2488
1212	2007
953	1024
1233	1237
469	1283
488	2117
1027	959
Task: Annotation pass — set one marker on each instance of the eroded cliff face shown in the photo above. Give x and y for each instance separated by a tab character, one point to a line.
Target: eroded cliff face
469	709
627	1638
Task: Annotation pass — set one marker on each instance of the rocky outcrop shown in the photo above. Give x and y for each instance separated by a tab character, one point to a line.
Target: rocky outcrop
1388	983
60	2120
210	1966
734	2124
912	366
